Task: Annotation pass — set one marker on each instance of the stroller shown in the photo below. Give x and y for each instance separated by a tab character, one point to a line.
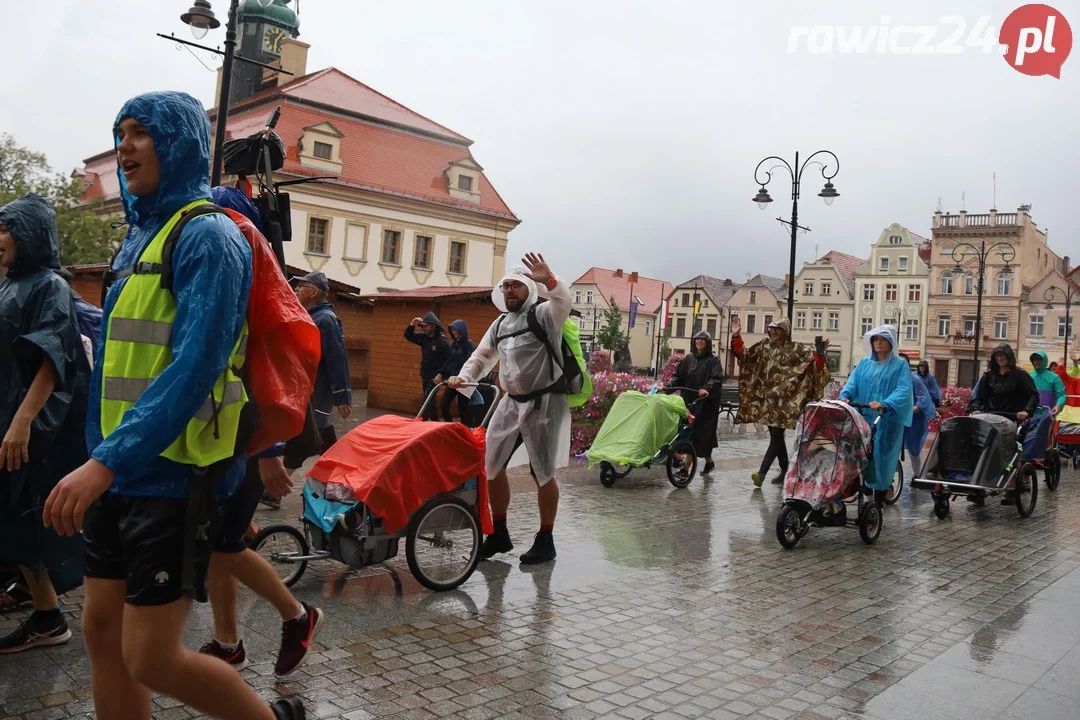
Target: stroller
387	479
834	444
1067	434
642	429
983	455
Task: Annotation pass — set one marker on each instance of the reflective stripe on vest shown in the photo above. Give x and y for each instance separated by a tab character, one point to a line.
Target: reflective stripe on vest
138	347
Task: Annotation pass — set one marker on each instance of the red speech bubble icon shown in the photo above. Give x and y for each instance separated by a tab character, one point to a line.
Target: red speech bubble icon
1037	40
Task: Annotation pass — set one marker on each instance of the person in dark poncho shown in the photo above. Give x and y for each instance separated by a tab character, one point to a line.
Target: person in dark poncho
44	381
701	370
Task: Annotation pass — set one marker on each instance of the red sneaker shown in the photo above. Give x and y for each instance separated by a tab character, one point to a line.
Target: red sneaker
296	639
236	658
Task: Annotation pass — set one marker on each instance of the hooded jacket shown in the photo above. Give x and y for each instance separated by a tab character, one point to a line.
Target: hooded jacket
212	279
1047	383
460	351
435	350
37	324
333	387
1013	392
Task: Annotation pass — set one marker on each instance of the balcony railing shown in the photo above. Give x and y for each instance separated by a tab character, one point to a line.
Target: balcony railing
984	220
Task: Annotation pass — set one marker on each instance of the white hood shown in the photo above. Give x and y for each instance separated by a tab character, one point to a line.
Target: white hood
520	275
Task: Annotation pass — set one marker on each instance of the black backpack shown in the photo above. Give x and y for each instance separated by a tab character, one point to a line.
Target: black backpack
572	379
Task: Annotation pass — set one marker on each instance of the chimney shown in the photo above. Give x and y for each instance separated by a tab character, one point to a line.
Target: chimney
293	59
618	273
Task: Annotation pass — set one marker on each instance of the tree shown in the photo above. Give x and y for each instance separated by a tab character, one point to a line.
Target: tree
84	237
611	331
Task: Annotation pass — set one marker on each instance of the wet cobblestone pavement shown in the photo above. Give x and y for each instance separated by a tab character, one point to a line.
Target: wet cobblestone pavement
670	604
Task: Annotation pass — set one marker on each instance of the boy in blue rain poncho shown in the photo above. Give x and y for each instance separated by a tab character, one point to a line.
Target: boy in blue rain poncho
44	380
922	413
882	380
163	425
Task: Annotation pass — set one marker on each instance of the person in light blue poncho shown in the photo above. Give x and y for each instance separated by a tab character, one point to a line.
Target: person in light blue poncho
922	413
882	380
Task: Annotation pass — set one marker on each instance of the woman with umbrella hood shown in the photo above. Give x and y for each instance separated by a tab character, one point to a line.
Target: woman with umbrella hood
882	380
701	370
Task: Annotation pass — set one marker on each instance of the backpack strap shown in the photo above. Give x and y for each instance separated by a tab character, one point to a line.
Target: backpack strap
538	329
165	267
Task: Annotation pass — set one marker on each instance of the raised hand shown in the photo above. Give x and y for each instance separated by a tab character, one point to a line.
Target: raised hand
538	268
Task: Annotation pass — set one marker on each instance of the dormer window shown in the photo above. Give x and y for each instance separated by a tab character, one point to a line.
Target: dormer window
320	147
463	179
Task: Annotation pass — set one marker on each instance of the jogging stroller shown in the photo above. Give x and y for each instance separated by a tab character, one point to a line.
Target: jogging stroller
980	456
642	429
833	446
388	479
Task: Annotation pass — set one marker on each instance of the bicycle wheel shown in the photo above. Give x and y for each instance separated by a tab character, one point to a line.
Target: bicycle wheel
443	544
1053	470
1026	492
681	464
892	494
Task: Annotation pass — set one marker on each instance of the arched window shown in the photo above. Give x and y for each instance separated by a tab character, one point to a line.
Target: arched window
1004	282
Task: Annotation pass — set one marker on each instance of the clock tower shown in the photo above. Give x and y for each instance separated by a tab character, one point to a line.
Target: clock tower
261	31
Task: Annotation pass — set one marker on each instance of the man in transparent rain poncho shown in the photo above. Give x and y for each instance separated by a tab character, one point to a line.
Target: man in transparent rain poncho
536	413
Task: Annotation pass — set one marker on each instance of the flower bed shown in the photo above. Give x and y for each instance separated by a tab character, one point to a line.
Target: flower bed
585	421
954	402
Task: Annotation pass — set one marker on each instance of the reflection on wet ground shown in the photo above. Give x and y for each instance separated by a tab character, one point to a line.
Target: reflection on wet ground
667	603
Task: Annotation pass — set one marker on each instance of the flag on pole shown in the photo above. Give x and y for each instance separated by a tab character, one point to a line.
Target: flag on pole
633	313
663	315
697	307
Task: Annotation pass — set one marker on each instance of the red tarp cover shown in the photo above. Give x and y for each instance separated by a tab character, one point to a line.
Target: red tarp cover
394	464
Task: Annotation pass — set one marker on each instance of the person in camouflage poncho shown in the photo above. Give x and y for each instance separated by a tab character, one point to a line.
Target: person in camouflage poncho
779	377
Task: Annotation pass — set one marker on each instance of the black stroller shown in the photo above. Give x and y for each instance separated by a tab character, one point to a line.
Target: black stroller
980	456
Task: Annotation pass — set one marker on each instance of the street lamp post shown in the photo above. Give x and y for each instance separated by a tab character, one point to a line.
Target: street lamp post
828	194
1070	294
201	19
966	249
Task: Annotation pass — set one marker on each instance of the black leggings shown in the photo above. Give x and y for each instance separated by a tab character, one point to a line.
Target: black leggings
777	450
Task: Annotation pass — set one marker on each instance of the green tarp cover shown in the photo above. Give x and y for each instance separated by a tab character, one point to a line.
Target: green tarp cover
636	427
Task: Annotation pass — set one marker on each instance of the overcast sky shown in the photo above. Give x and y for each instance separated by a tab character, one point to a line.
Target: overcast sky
625	133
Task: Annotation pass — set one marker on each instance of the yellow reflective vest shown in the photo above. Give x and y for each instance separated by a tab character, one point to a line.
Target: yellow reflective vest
138	347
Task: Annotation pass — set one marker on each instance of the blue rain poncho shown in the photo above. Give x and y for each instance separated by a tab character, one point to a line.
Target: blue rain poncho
888	382
37	324
915	435
211	281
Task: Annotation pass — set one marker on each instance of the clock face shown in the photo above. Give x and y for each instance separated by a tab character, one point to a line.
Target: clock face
272	40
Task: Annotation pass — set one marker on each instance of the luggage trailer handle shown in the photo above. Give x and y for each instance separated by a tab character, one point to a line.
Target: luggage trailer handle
487	415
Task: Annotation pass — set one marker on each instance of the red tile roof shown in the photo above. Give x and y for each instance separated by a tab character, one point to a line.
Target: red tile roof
845	265
610	284
386	148
333	89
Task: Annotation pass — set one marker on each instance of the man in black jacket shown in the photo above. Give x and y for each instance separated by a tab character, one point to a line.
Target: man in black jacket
428	333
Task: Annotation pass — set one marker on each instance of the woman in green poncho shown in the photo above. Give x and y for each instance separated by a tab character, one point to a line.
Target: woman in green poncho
778	378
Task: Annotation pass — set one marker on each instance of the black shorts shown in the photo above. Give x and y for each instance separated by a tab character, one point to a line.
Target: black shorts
141	540
237	512
294	461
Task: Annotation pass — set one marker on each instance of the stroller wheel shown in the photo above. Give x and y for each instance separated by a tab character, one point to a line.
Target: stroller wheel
941	507
789	527
442	546
1053	471
681	464
870	522
897	487
1026	492
278	544
607	474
